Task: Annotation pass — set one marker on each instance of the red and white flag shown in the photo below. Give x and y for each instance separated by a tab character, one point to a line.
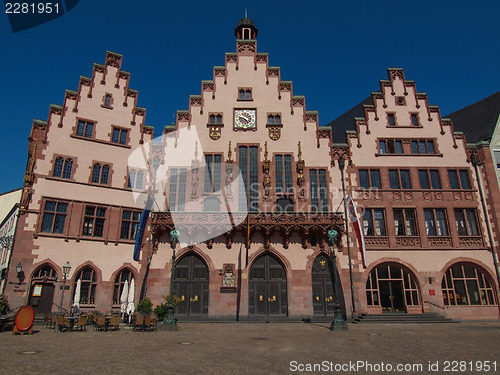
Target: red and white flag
353	215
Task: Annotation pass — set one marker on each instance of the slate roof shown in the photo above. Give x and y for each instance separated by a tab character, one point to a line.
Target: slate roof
346	121
478	120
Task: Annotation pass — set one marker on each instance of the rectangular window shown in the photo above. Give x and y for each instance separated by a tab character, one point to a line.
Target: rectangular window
93	223
391	146
394	179
435	222
414	119
130	224
212	173
424	179
283	173
405	179
249	185
84	129
369	178
435	181
374	222
390	119
405	222
422	146
177	189
429	179
466	220
119	136
54	217
319	190
459	179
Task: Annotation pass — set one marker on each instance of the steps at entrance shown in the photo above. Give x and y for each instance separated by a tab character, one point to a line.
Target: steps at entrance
401	318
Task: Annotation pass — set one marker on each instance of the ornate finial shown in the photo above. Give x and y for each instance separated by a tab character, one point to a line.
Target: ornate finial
266	154
195	150
300	152
246	16
229	153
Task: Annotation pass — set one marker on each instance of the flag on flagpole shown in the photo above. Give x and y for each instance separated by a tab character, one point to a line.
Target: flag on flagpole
353	215
142	228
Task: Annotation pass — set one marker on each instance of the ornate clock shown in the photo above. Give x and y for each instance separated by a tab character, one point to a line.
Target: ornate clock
244	119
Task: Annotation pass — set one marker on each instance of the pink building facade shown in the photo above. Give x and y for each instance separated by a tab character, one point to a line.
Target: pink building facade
427	249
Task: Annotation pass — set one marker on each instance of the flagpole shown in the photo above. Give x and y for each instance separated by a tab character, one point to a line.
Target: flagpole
341	167
144	289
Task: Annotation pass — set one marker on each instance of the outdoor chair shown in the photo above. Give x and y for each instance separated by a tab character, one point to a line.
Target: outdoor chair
52	323
114	322
100	323
139	323
46	319
152	324
62	323
82	323
147	323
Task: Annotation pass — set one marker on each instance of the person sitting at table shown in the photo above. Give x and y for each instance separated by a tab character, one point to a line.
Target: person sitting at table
75	310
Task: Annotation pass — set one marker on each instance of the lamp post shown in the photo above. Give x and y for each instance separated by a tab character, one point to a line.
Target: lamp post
338	323
341	167
170	324
66	268
19	269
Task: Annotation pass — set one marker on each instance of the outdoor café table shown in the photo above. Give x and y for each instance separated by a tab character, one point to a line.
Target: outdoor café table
5	320
72	320
108	319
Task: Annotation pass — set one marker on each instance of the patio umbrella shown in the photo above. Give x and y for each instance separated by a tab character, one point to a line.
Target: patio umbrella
123	298
76	300
130	299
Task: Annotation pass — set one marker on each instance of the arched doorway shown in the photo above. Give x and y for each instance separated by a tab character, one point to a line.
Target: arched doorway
267	293
322	286
42	289
393	288
191	286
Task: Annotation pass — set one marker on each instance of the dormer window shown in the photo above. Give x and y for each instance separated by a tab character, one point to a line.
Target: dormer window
391	120
215	119
414	119
245	94
247	33
107	100
274	120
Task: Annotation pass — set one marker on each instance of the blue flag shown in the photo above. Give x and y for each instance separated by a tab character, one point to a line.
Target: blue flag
142	228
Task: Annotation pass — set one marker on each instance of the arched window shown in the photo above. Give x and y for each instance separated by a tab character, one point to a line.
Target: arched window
125	274
96	173
105	174
68	165
131	178
464	284
100	174
107	100
88	279
58	167
45	270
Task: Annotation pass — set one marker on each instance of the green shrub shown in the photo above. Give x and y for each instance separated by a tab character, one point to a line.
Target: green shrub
145	306
161	310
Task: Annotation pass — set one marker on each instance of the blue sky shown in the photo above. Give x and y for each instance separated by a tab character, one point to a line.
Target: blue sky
335	52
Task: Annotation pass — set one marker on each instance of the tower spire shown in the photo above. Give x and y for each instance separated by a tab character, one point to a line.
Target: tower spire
246	15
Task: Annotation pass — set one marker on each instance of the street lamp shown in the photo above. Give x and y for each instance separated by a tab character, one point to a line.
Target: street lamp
170	323
19	270
66	268
341	167
338	323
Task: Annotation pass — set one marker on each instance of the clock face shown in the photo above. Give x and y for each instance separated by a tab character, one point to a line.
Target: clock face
244	118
